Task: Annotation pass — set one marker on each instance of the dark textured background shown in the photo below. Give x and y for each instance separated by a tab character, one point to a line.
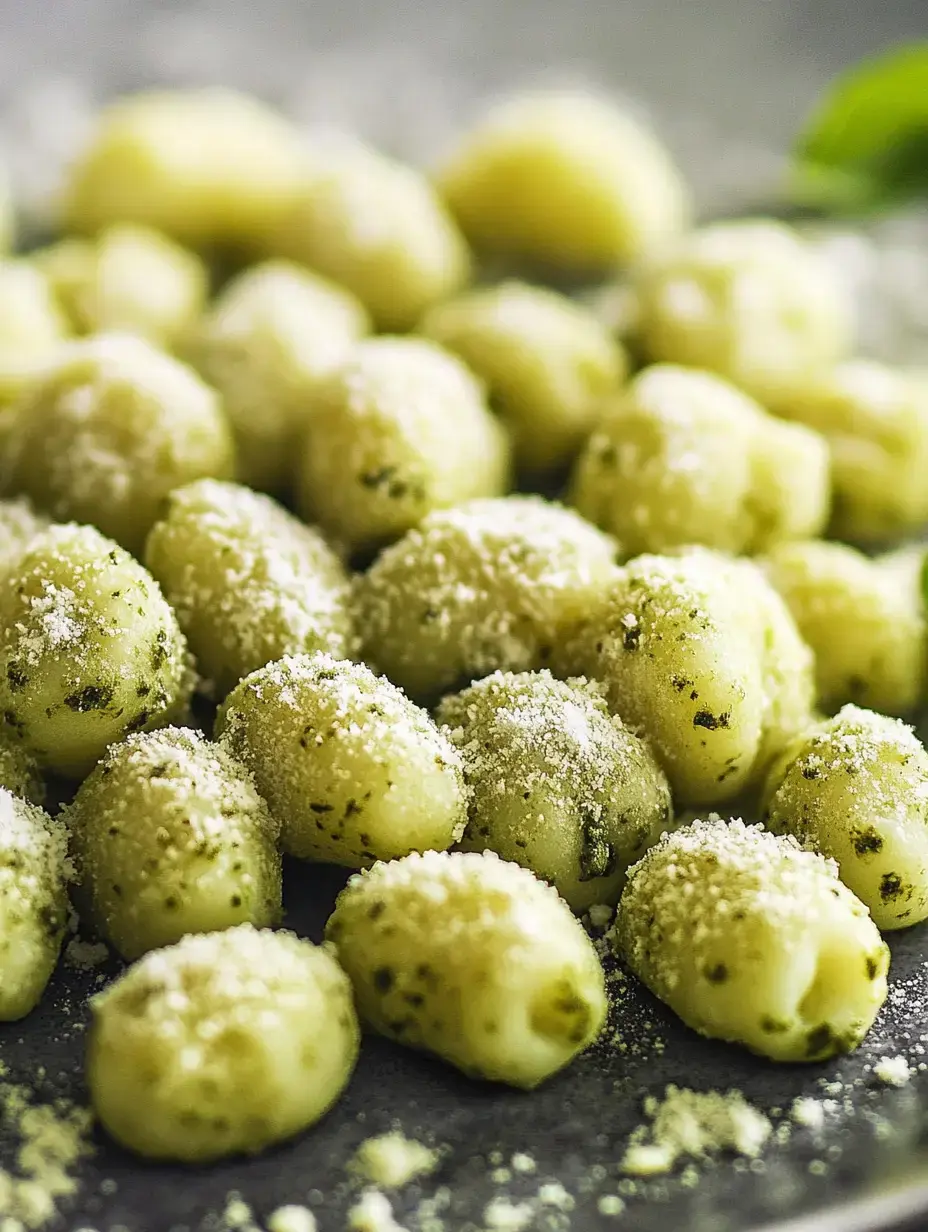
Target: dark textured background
727	81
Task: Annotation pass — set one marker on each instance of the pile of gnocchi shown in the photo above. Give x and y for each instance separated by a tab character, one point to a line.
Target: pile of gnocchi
276	450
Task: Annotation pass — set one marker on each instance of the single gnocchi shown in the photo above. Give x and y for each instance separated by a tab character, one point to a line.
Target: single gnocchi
486	586
556	783
271	335
698	653
862	616
110	430
378	228
206	166
855	788
750	300
129	279
470	957
547	363
249	583
750	939
169	837
32	324
222	1044
352	768
89	650
683	457
875	419
399	430
34	905
564	179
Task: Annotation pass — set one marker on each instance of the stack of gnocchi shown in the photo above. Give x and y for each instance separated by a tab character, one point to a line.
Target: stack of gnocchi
304	500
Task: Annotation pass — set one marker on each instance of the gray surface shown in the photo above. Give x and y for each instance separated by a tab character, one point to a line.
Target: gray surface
727	81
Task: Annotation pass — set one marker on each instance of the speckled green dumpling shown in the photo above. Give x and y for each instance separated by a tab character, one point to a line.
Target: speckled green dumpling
249	583
89	650
109	430
487	586
855	788
753	940
352	768
34	905
169	837
470	957
221	1045
556	783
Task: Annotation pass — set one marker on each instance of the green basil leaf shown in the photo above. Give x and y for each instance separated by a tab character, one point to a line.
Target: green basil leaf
865	146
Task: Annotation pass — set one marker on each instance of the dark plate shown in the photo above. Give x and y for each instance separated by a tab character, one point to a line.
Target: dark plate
728	81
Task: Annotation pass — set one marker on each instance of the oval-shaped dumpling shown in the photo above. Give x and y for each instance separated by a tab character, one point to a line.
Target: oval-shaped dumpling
89	650
750	939
378	228
875	419
683	457
855	788
273	332
106	433
207	166
750	300
354	771
248	581
34	905
221	1045
399	430
697	652
483	587
472	958
863	618
170	837
556	783
546	360
31	322
567	180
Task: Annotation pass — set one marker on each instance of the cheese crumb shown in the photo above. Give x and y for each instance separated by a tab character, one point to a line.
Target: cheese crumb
501	1215
893	1071
601	915
292	1219
610	1204
522	1162
808	1112
373	1213
690	1123
84	955
393	1160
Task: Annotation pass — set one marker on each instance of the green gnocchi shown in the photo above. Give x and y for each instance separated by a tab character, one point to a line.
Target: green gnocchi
222	1044
470	957
854	788
750	939
89	650
169	837
352	768
556	783
248	582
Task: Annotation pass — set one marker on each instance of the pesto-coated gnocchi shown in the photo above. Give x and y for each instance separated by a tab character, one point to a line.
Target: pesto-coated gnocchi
269	337
128	279
566	180
221	1045
89	650
699	653
556	783
855	788
19	524
31	322
169	837
33	902
683	457
750	300
354	771
470	957
378	228
486	586
206	166
399	430
863	618
546	360
753	940
109	430
875	419
249	583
